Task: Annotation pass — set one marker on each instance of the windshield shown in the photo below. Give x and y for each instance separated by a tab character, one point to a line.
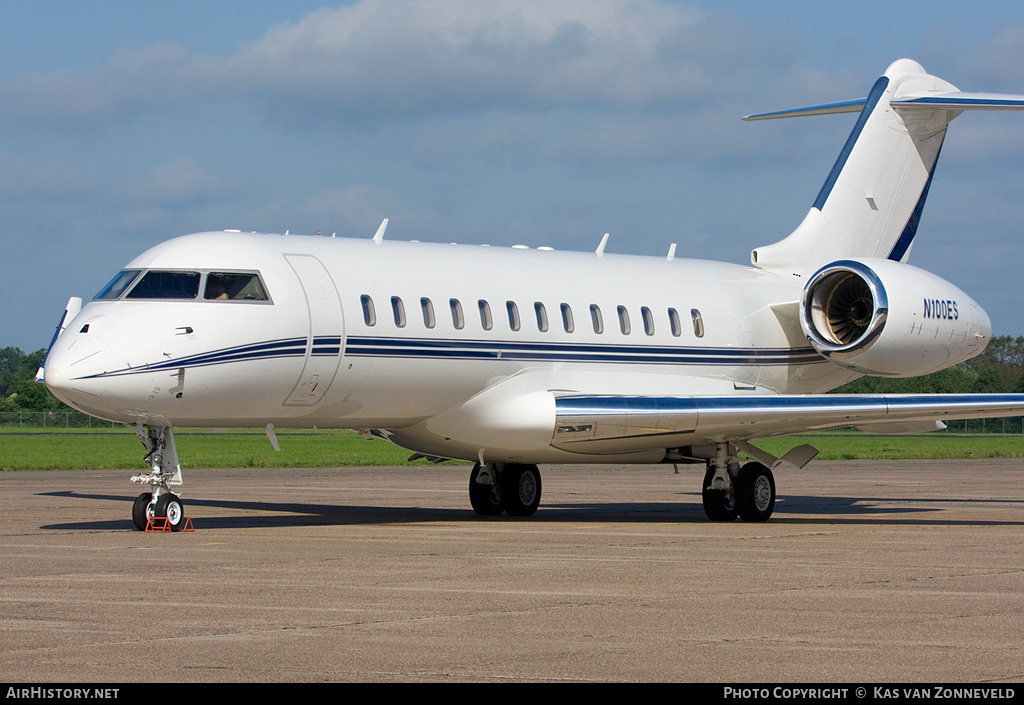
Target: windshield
166	285
120	282
185	285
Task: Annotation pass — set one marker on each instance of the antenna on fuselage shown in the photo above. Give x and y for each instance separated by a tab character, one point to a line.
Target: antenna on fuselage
600	248
672	252
379	237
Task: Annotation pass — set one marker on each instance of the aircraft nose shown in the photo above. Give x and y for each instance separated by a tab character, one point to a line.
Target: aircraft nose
74	369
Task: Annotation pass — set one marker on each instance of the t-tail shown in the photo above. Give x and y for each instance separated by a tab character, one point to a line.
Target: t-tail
871	203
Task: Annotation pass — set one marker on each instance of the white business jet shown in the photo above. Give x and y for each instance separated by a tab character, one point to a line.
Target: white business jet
511	357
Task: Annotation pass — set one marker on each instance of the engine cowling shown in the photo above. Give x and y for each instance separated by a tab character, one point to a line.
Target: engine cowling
886	318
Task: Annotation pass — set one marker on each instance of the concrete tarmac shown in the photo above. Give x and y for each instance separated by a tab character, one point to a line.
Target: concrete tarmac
873	572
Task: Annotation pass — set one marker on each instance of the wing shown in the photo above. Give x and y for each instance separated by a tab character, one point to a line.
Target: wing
613	424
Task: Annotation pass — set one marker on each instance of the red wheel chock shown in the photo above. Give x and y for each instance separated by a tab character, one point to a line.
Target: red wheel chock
160	525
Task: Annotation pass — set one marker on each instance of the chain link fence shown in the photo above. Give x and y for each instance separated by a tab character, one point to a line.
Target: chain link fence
54	420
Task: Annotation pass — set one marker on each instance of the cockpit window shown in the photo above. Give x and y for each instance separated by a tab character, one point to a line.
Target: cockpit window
234	287
118	284
166	285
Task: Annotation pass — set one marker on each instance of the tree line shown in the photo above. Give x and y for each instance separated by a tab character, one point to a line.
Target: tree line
18	389
999	369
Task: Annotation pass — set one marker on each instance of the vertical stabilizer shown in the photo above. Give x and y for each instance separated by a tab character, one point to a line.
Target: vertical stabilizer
871	202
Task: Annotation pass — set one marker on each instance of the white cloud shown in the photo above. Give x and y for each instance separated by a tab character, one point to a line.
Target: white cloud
387	58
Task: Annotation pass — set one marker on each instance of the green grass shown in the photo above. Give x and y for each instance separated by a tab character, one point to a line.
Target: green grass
118	448
49	449
850	445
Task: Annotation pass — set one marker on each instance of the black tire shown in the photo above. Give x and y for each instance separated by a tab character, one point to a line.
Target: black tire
719	505
520	489
755	492
486	499
170	506
140	510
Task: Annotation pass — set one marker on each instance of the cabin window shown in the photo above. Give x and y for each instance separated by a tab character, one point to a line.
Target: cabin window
698	323
623	320
596	319
222	286
567	322
398	309
542	316
485	315
513	315
674	323
428	312
369	315
458	320
118	284
648	317
166	285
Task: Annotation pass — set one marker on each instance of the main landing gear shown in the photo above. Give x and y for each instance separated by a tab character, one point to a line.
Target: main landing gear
730	490
160	501
504	487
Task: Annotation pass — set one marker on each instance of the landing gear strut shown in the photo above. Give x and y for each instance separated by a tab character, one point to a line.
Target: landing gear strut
505	487
484	491
730	490
160	501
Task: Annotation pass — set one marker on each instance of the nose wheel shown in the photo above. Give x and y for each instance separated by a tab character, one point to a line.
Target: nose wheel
167	506
160	502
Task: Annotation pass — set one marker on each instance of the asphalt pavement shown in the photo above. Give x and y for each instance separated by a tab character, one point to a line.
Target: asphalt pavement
869	572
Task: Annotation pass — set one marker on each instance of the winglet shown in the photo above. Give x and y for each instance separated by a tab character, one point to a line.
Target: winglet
379	237
600	248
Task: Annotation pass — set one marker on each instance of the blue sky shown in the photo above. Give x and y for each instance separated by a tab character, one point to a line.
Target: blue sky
123	124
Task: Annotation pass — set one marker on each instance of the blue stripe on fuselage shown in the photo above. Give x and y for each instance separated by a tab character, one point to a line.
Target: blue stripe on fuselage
456	349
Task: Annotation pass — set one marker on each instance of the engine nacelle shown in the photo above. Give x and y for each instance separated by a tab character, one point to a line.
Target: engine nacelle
886	318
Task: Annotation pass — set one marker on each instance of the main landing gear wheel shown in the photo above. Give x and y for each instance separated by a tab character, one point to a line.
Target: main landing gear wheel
142	510
170	506
485	497
755	492
719	505
520	489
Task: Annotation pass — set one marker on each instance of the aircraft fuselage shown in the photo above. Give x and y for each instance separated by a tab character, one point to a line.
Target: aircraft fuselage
391	335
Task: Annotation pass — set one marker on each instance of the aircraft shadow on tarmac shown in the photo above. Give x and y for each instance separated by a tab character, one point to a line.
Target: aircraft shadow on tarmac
788	510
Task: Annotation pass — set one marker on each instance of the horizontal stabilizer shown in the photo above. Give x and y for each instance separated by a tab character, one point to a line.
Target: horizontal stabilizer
846	106
956	100
962	101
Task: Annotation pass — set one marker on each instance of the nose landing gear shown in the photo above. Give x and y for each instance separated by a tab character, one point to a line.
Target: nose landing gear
160	502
